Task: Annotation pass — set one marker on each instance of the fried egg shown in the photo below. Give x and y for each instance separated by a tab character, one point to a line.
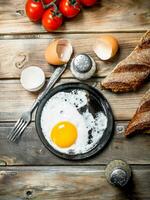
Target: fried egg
64	134
68	130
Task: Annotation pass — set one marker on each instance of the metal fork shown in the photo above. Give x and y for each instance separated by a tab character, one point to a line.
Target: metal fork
26	117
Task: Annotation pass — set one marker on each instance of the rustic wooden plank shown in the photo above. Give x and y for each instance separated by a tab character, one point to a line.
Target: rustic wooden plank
16	54
14	99
105	16
31	151
72	183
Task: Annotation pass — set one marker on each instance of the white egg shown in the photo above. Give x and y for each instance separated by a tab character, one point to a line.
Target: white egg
64	106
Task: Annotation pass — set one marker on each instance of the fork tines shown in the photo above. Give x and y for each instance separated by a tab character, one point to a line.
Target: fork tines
17	130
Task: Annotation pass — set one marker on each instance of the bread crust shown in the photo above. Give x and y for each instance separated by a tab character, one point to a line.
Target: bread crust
141	119
131	72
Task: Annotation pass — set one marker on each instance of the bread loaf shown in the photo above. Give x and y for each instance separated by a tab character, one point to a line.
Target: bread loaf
131	72
141	119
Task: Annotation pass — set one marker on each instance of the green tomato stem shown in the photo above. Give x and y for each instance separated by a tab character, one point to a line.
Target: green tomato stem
72	2
51	4
44	6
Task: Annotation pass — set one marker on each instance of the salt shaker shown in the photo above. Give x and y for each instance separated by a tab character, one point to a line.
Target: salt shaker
118	173
83	67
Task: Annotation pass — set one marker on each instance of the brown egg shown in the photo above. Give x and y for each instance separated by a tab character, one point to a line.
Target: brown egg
58	52
106	47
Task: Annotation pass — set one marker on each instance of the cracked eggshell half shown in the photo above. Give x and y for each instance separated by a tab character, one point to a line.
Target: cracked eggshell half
32	78
58	52
106	47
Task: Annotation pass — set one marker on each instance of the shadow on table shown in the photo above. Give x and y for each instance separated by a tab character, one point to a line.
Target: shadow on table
129	190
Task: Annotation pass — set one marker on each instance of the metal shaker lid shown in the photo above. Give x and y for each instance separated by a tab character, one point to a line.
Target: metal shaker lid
119	177
82	63
118	173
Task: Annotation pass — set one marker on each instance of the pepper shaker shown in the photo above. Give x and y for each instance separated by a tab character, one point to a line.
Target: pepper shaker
118	173
83	67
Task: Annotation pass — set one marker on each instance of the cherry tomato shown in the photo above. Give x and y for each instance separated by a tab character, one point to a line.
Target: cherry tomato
69	8
34	10
57	2
52	19
88	2
47	1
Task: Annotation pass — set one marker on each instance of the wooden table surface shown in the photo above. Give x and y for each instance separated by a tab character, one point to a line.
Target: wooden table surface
27	169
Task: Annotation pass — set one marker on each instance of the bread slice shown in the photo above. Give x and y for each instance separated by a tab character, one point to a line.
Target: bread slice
141	119
131	72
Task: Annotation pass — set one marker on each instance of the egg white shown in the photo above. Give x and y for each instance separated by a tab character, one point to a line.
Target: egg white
64	106
55	112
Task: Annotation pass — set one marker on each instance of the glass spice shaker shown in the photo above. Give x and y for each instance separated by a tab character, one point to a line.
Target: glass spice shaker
118	173
83	66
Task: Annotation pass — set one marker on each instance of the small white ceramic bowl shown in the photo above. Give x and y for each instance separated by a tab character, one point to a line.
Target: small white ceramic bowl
32	78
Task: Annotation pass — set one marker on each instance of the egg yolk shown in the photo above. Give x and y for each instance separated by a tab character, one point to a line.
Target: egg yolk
64	134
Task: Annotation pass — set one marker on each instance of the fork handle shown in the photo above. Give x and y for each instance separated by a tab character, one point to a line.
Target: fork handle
52	80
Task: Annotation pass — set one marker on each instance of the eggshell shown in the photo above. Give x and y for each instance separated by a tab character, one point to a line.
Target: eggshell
106	47
58	52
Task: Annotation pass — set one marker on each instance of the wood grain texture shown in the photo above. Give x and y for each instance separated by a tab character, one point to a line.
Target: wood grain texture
16	54
22	43
31	151
106	15
14	99
71	183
